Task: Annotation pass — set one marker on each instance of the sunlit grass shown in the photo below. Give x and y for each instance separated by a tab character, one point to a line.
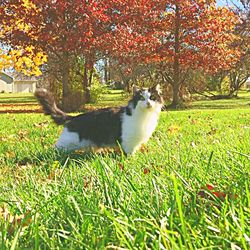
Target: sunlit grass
6	98
146	201
240	102
26	101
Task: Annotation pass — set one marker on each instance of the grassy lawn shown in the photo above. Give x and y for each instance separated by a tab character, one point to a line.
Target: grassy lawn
156	199
26	103
242	101
11	98
18	103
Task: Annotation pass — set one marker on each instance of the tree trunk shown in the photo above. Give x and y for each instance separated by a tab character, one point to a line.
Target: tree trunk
127	85
176	65
176	96
91	76
85	85
65	83
106	71
87	80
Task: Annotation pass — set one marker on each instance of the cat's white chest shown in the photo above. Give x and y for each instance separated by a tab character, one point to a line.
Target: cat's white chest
137	129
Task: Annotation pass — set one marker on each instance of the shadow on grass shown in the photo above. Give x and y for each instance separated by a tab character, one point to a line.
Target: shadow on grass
242	102
51	156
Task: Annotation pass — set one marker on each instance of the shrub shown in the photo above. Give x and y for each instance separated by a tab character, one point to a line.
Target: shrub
97	90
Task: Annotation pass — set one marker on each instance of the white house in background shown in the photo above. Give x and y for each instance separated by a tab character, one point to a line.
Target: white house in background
17	83
6	83
247	83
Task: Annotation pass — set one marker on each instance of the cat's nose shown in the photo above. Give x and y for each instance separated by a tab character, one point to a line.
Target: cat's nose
149	105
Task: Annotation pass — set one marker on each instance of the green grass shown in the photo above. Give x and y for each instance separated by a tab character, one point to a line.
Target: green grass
242	101
110	99
119	97
7	98
114	97
146	201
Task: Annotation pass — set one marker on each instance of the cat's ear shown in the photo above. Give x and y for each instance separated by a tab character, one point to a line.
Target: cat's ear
134	89
157	87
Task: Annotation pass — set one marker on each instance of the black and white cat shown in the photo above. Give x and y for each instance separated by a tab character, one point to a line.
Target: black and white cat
129	126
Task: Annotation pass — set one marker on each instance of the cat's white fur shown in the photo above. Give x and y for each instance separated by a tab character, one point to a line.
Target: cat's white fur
136	129
69	141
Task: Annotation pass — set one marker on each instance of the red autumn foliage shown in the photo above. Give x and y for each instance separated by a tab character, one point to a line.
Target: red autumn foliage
194	33
197	32
177	35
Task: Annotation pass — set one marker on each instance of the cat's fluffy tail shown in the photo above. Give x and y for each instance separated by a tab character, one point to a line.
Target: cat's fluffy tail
47	101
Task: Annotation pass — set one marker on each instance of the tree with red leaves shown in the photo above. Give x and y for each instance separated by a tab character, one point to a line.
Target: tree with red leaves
177	35
64	29
180	36
69	29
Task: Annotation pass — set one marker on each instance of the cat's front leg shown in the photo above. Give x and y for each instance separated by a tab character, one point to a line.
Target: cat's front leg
129	147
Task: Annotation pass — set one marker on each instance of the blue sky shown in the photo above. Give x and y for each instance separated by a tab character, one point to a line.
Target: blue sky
230	2
221	2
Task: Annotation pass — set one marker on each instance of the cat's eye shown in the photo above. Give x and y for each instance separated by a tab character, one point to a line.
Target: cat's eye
142	98
153	98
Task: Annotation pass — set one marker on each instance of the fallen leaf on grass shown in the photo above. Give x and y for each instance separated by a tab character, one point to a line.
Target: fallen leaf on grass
14	221
144	149
174	129
54	174
3	139
41	124
219	194
146	170
177	142
194	122
56	171
22	134
216	141
10	154
121	167
212	131
88	182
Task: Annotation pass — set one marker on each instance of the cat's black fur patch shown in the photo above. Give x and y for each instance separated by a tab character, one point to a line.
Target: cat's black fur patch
156	94
128	111
49	107
103	126
137	97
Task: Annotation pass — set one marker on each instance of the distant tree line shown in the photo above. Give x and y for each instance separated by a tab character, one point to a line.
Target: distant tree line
186	46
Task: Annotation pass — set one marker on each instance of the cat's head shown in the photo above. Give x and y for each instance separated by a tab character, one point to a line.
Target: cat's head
147	98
